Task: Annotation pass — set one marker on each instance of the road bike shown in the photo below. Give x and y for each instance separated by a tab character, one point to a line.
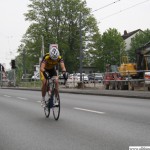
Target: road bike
53	100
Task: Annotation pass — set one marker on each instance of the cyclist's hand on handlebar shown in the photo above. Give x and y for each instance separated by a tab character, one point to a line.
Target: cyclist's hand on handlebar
46	74
65	75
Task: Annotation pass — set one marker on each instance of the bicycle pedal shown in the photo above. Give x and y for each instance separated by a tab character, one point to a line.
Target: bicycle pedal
56	104
46	108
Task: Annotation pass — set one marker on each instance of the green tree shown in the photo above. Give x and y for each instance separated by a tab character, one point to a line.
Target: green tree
139	40
95	53
112	47
58	22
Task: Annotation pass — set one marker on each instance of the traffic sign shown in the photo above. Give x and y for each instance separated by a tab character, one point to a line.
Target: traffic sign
53	46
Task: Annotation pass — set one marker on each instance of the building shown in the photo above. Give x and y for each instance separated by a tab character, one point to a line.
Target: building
127	37
88	70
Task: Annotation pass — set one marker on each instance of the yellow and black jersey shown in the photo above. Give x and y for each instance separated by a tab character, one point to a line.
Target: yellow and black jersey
49	63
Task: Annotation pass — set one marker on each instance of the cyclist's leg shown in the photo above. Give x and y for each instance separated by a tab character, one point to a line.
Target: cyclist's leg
56	85
53	73
43	89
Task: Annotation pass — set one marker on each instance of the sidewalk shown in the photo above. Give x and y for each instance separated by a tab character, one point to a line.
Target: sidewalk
92	91
115	93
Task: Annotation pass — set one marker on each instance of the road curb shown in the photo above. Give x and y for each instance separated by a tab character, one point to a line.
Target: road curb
98	92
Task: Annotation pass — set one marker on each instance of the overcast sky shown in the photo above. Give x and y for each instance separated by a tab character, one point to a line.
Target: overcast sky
120	14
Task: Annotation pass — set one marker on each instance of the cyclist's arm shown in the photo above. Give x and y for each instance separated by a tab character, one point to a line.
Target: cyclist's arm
63	69
42	67
62	65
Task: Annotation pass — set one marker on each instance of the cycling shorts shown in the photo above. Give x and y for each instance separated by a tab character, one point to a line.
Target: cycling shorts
52	72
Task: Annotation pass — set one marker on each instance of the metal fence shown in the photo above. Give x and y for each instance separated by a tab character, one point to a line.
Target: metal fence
143	82
139	78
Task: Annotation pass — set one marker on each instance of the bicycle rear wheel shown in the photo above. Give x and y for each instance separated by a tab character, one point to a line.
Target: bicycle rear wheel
56	107
47	110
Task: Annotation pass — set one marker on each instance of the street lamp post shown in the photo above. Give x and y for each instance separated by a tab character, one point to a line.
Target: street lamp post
23	61
81	51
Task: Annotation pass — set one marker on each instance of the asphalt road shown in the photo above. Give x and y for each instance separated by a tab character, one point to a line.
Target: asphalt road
87	122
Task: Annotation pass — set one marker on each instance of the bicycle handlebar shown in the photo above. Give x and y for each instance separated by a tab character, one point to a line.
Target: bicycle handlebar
65	80
64	83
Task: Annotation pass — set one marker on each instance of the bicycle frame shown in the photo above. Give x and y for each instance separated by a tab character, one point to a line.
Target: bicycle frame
53	98
50	86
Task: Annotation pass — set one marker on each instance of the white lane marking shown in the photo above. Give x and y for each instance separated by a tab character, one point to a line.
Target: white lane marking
88	110
7	95
22	98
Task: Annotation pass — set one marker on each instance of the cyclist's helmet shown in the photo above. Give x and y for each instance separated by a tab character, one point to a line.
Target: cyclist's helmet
54	53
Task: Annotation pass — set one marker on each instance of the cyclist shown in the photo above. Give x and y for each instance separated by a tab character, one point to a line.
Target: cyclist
49	67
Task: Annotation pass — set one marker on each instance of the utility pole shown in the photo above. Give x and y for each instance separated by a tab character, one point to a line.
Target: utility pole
1	74
42	49
13	67
24	68
81	51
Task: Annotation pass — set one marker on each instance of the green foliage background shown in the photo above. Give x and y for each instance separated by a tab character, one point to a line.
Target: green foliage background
58	21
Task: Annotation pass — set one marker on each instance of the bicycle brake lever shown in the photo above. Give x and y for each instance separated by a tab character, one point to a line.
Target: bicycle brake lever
65	82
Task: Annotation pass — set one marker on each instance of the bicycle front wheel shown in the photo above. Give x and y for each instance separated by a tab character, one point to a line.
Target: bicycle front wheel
56	107
47	111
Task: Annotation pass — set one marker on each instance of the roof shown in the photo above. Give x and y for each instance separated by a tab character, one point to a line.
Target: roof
127	35
145	46
144	49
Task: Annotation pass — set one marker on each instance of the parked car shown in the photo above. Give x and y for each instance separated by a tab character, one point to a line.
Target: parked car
73	77
26	77
61	76
84	77
35	77
95	77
